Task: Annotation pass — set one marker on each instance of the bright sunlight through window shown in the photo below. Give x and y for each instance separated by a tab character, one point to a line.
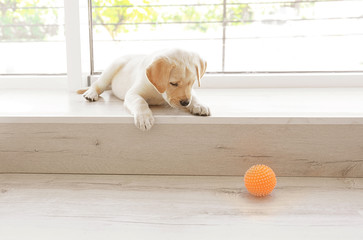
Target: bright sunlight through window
32	37
235	35
238	36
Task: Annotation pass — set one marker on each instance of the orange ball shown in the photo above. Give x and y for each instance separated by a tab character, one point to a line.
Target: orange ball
260	180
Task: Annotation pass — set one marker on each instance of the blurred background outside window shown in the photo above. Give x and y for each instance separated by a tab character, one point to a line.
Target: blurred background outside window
32	37
236	35
232	35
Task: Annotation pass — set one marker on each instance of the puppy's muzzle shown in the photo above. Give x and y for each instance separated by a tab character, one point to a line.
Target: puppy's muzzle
184	103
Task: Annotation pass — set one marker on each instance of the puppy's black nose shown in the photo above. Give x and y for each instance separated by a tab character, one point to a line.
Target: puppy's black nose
184	102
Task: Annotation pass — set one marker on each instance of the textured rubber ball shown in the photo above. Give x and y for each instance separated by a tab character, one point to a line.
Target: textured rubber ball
260	180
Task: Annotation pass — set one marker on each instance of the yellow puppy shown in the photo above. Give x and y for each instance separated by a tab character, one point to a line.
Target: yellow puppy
143	80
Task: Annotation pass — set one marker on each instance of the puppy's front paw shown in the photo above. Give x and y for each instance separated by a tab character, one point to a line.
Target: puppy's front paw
199	109
144	121
91	95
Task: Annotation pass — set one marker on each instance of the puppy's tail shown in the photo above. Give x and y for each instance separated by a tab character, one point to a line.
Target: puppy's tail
81	91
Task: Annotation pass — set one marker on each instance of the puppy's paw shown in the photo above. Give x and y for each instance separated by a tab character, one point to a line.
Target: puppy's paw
199	109
91	95
144	121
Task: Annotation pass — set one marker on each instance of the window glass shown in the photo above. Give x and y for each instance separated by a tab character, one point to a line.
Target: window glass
32	37
236	35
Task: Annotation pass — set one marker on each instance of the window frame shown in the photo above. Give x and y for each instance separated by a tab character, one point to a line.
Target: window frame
79	67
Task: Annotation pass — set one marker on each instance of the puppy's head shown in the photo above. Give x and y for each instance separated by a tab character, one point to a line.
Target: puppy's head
173	75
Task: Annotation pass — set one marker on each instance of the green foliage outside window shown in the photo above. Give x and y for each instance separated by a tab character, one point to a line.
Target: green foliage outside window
22	20
26	20
123	15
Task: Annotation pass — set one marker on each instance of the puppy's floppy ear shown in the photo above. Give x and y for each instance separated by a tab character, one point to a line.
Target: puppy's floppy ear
158	73
201	67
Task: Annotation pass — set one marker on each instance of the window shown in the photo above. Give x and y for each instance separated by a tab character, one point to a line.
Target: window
235	35
32	37
261	42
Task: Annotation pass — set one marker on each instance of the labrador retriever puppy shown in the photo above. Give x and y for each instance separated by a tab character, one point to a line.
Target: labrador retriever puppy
143	80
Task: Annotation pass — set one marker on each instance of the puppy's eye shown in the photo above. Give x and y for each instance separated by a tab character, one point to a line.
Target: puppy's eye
174	84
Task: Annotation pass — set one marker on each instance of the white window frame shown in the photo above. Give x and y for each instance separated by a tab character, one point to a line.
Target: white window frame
78	58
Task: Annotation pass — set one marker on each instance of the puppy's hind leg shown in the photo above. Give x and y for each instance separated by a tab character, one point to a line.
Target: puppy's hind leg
104	82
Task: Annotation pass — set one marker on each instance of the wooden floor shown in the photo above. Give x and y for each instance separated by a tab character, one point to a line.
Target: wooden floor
106	207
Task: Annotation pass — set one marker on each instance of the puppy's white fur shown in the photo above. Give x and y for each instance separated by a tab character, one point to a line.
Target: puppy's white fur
143	80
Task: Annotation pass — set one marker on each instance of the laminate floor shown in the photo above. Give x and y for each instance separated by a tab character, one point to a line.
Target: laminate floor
176	207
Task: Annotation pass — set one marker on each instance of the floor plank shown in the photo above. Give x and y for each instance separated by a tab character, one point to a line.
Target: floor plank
171	207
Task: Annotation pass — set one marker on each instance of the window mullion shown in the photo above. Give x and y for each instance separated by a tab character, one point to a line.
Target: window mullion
73	44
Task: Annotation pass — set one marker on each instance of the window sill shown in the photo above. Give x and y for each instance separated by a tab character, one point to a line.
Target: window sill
228	106
298	132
